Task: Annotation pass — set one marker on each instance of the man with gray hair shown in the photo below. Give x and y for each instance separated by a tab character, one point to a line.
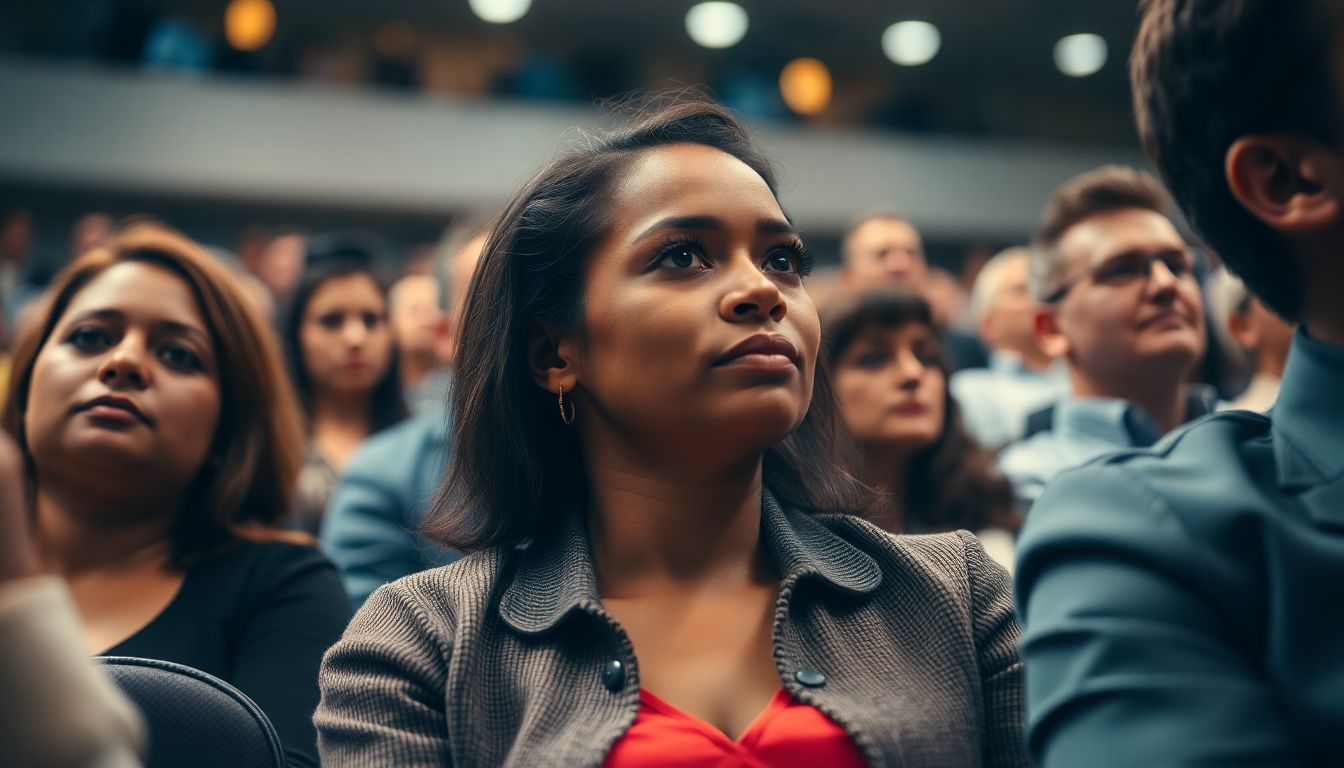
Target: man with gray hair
1118	301
1020	379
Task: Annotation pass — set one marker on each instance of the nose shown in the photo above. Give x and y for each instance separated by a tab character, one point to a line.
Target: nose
753	297
897	261
354	332
1162	281
909	371
124	366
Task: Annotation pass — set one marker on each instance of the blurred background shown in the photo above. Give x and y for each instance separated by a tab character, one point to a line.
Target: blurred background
238	121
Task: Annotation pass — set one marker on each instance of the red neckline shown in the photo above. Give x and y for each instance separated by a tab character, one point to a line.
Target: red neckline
749	736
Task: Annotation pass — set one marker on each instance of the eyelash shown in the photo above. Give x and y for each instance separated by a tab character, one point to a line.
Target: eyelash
803	261
82	339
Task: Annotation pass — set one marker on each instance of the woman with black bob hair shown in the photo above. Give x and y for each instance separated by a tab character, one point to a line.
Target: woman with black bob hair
667	563
891	381
342	360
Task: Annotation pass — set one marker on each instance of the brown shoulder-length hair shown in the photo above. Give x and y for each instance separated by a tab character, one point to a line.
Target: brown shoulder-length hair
259	438
953	483
514	466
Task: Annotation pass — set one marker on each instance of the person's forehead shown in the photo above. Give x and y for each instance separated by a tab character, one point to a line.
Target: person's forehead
141	292
1114	232
689	179
885	231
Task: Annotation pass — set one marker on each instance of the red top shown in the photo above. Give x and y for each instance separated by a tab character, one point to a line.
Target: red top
787	734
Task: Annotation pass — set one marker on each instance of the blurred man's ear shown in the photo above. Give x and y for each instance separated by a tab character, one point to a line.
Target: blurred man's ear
1291	183
1048	334
445	341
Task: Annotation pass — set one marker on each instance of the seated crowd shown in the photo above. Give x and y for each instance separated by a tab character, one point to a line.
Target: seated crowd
612	481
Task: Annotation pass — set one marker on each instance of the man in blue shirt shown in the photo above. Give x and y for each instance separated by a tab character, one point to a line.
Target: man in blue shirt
1118	301
1181	604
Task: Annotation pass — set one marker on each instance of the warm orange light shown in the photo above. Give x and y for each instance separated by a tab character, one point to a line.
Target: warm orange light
249	24
805	85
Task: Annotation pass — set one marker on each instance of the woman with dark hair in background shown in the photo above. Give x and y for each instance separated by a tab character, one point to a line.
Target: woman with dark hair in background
891	382
161	441
343	363
667	565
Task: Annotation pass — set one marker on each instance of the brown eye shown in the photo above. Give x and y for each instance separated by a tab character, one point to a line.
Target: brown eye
88	338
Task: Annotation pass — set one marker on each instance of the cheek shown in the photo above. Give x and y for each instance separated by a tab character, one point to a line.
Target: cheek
192	408
858	394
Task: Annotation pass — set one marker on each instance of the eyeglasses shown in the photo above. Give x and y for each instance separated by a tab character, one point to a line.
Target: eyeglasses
1128	268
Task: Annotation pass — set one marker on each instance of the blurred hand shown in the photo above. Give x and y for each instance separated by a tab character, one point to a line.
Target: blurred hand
17	558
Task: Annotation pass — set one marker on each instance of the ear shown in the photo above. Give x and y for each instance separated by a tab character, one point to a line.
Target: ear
551	359
1292	184
986	327
1245	331
1048	334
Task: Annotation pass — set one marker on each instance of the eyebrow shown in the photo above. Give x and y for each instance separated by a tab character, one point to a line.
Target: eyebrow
763	226
171	325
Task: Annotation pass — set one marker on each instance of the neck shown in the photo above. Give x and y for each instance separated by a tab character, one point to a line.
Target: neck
1161	396
651	531
341	410
77	536
1270	364
885	469
416	367
1034	359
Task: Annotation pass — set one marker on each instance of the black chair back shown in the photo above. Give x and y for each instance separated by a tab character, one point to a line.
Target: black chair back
195	719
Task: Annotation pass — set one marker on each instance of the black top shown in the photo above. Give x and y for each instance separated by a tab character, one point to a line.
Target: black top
258	615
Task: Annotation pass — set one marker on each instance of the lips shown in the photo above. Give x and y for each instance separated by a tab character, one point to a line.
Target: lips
765	347
115	402
1165	316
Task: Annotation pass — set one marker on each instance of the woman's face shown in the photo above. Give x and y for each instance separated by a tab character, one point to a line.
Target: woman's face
890	388
127	383
699	341
344	336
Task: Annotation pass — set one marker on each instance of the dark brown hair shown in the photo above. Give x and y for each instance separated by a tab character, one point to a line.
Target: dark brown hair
259	437
1207	72
514	465
1105	189
953	483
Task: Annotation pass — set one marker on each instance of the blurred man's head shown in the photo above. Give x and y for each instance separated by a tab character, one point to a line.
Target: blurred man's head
16	235
90	230
884	250
1238	105
1001	304
415	316
458	253
1115	281
1254	338
282	263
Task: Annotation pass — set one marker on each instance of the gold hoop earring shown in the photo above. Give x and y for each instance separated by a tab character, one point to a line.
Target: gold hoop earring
566	416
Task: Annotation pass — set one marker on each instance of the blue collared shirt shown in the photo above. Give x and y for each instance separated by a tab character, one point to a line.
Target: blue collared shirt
1083	429
996	401
1181	604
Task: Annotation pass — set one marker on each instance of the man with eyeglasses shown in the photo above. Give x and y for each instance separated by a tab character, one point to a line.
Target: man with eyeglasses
1118	301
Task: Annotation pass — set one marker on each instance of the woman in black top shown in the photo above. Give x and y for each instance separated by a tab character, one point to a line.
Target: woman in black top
161	442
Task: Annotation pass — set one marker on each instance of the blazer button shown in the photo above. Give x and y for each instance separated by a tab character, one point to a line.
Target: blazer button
613	675
810	678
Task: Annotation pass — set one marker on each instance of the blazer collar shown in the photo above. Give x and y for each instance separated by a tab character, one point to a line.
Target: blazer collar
556	576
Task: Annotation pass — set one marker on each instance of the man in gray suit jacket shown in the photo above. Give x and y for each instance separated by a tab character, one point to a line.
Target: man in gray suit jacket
1181	604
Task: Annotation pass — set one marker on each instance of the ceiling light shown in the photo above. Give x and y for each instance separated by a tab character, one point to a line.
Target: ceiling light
249	24
911	43
1080	55
716	24
500	11
806	86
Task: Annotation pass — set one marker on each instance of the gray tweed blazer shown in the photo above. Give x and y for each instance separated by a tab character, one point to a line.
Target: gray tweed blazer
507	657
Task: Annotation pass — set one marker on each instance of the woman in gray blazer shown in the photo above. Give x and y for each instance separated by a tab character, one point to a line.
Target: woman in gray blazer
666	556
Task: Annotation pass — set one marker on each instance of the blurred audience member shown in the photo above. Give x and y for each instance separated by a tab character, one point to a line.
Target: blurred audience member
418	327
891	382
948	301
1118	301
280	264
90	230
16	241
61	711
372	527
1182	604
1021	378
884	250
161	441
343	363
1255	338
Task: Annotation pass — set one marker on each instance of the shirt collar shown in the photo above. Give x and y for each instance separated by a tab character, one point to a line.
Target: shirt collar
556	576
1307	422
1098	418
